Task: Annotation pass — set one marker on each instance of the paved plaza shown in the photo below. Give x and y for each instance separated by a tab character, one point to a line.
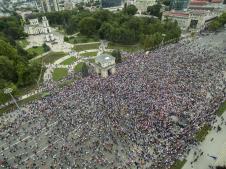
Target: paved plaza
202	156
58	46
126	120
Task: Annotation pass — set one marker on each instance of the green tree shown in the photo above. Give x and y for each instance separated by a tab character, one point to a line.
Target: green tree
154	10
105	31
221	167
214	25
5	97
148	42
102	15
152	41
222	19
7	50
73	25
84	70
66	39
166	2
156	27
45	47
117	55
130	9
7	71
87	26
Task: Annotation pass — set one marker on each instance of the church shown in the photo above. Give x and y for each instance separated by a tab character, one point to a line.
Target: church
36	28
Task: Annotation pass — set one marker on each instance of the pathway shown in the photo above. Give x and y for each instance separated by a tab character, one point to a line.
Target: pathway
40	56
94	50
88	43
62	59
50	67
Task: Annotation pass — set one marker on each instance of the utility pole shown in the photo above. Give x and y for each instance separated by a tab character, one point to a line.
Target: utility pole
9	91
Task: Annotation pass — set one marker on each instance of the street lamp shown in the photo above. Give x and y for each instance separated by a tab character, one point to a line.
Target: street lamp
9	91
163	35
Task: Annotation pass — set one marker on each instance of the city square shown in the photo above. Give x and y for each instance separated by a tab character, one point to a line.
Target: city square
112	84
97	123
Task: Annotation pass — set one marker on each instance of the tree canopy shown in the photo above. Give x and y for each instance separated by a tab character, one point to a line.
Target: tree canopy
117	55
88	26
154	10
217	23
15	70
130	9
120	27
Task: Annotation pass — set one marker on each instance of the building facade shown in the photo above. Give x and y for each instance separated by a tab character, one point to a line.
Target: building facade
110	3
195	20
141	4
178	4
48	5
35	28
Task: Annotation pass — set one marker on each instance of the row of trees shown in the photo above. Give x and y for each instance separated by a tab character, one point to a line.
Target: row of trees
15	70
218	23
121	27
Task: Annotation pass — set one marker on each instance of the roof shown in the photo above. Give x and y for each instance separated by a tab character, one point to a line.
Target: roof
198	12
201	7
102	58
198	2
216	1
177	14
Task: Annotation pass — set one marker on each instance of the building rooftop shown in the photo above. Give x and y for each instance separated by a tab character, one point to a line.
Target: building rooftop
217	1
103	58
198	2
176	13
199	12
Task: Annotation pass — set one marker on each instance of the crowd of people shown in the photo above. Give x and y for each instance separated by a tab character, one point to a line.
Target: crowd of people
144	116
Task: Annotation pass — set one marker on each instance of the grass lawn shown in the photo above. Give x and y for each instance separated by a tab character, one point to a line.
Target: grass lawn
20	92
20	103
92	60
82	47
59	73
78	67
89	54
69	61
38	50
221	109
178	164
81	39
51	57
26	90
128	48
23	43
201	134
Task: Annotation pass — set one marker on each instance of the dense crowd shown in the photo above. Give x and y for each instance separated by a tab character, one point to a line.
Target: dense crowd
144	116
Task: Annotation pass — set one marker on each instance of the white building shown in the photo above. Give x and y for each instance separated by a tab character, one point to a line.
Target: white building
48	5
182	18
141	4
35	28
194	20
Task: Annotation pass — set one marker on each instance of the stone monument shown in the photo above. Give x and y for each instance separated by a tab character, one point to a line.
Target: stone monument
105	65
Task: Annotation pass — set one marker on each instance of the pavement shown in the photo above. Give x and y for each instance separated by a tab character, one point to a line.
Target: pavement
40	56
213	146
212	150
